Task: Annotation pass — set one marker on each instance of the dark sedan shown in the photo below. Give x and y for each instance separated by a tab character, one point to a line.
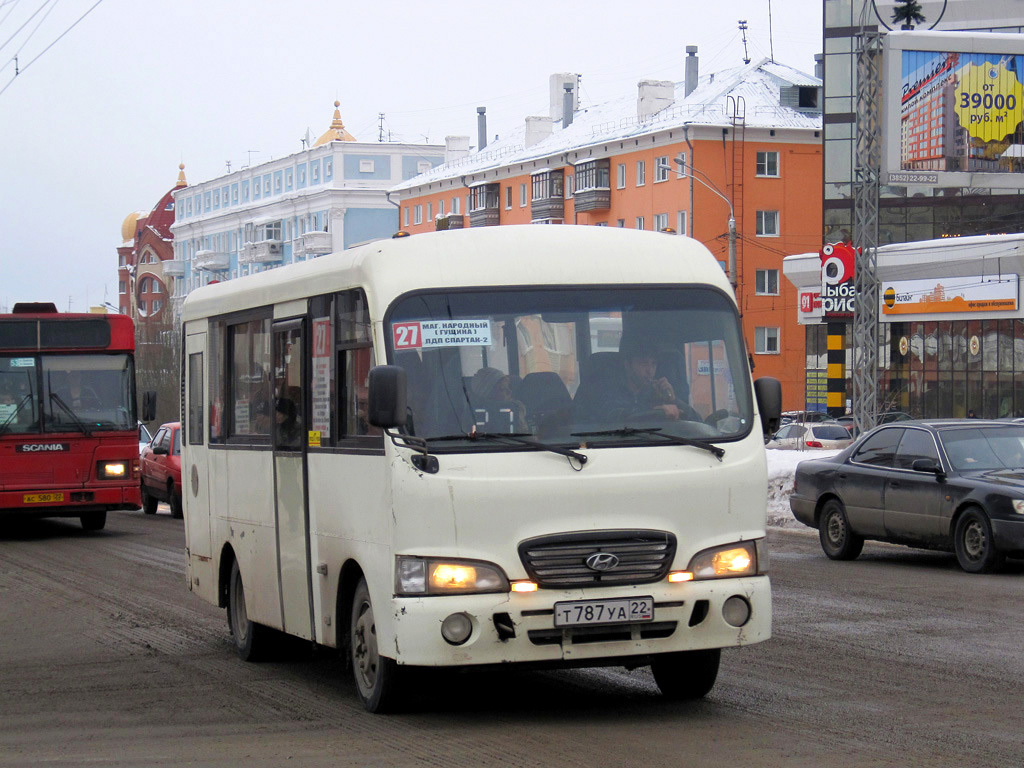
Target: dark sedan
954	484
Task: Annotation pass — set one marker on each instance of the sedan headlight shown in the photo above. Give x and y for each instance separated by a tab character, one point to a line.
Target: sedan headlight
1018	506
724	562
446	576
112	470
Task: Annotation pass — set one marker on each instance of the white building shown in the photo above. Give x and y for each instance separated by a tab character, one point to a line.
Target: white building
326	198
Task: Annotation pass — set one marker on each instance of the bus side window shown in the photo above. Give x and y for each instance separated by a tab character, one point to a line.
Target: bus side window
354	371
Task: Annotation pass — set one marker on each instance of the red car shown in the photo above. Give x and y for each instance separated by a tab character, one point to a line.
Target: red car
160	467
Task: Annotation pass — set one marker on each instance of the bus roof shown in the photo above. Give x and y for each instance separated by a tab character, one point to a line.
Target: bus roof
477	257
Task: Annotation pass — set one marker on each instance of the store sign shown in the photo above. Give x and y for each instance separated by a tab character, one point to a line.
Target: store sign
961	295
838	294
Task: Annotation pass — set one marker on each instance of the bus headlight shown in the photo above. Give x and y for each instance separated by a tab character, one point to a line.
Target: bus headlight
731	560
112	470
437	576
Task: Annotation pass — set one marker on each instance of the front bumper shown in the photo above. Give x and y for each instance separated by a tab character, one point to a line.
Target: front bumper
687	616
74	500
1008	535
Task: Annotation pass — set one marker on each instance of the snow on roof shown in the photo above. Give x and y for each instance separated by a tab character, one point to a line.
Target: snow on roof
758	84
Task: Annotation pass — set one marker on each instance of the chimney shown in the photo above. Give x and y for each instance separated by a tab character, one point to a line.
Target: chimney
537	129
692	69
819	66
557	85
455	148
481	128
653	96
567	106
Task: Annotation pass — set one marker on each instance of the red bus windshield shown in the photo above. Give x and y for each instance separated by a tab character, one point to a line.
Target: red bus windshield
48	393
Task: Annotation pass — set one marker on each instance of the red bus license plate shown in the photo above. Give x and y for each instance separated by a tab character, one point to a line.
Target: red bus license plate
43	498
617	611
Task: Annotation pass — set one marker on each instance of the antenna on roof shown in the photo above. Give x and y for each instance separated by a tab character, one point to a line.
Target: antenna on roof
380	129
771	41
228	163
743	30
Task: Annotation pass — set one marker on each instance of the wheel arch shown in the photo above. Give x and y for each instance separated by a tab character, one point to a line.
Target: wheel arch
824	499
348	578
960	510
227	559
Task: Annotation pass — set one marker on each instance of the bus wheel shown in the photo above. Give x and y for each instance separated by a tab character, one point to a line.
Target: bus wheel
686	675
94	521
252	640
376	676
148	503
174	499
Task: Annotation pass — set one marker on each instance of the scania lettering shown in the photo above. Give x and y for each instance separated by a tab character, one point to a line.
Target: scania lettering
579	480
69	442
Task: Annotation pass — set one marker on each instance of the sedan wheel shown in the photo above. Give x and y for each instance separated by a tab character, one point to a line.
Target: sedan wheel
838	540
975	550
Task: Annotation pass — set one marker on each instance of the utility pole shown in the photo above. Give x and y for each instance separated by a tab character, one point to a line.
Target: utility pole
743	31
380	129
684	171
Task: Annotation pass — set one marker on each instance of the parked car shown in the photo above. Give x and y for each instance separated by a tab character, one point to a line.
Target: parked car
806	417
883	418
160	469
144	437
954	484
798	436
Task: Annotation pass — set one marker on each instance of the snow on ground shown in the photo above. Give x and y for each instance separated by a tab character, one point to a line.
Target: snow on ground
781	469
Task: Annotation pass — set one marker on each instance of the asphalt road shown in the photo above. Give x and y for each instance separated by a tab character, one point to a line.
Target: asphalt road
895	659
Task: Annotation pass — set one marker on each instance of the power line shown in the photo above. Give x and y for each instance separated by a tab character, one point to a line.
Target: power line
59	37
24	24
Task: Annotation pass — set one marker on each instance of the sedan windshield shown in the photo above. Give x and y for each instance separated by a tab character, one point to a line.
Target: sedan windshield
984	448
573	365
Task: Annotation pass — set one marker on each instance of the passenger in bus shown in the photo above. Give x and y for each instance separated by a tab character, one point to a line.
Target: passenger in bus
634	389
289	431
494	407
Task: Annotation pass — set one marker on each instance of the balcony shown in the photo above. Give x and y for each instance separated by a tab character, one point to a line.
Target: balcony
314	244
593	191
548	199
174	268
483	206
212	261
264	252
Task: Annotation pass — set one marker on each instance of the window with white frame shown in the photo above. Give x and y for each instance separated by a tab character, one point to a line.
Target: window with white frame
508	198
522	195
681	222
767	224
366	166
440	207
767	164
405	216
457	205
621	223
639	222
661	169
568	187
766	282
680	166
417	214
620	175
766	341
641	172
660	222
430	211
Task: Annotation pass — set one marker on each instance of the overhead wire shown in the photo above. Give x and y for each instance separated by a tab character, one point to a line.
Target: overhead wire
32	33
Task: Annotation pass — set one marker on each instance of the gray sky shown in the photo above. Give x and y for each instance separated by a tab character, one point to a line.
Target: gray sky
94	128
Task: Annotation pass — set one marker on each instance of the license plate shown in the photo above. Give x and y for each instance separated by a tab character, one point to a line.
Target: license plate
617	611
43	498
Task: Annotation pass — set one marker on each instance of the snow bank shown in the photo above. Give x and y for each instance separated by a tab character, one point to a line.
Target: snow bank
781	469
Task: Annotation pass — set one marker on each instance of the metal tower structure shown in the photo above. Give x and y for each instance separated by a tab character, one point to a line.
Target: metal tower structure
867	169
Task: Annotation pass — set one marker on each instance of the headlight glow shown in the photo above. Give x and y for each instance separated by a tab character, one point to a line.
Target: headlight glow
436	576
113	469
724	562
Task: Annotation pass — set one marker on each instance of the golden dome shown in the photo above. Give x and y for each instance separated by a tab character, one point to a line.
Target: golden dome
130	223
337	130
181	177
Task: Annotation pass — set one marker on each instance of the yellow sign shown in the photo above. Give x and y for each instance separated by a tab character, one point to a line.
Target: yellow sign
989	100
42	498
314	438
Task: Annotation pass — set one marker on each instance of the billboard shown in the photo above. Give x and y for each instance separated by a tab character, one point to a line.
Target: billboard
954	110
962	295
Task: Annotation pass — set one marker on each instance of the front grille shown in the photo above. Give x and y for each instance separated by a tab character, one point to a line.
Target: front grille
610	634
560	561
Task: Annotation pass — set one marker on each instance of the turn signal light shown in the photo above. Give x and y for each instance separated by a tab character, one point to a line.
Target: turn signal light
524	586
679	576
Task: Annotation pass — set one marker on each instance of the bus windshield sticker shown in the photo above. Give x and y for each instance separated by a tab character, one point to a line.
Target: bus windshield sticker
428	334
320	421
23	362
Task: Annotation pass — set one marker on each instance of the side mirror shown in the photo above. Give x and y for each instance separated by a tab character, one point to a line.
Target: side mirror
159	450
148	406
768	392
927	465
387	398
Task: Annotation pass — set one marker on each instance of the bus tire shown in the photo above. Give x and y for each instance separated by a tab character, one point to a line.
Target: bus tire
686	675
376	676
252	640
148	502
174	500
93	521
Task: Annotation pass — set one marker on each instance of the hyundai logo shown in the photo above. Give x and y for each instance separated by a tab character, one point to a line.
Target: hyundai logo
602	561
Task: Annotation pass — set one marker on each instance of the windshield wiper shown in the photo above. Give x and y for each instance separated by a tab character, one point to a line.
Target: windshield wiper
656	432
523	438
10	419
64	406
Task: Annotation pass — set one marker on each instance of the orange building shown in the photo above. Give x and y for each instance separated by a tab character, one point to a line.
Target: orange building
675	158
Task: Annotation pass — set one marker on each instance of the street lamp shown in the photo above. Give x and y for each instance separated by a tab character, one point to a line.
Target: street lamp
683	171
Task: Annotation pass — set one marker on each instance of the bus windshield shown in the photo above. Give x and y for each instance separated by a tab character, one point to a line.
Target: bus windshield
571	365
66	393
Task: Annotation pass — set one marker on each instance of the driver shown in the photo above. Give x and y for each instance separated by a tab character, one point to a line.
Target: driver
638	390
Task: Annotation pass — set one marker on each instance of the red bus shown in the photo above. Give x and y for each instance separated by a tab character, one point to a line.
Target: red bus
69	443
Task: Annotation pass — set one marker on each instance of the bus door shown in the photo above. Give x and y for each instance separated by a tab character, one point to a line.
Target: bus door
195	487
291	510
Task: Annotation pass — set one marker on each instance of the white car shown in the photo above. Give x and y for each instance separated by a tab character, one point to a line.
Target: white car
144	437
800	436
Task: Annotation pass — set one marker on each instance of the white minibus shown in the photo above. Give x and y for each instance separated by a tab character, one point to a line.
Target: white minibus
412	451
